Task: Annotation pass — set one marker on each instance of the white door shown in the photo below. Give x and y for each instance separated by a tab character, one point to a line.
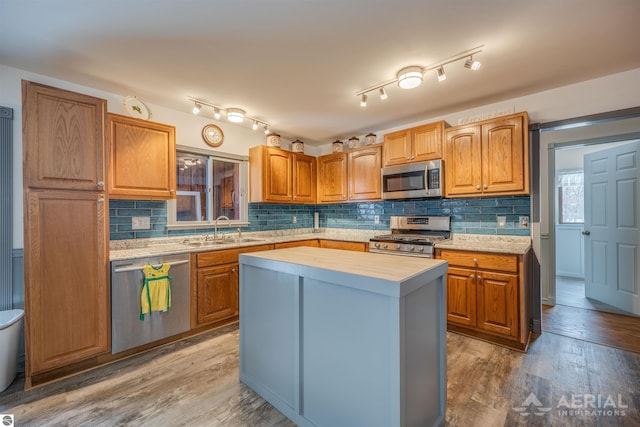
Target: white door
611	226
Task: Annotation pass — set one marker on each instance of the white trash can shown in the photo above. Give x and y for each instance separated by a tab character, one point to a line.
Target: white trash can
10	326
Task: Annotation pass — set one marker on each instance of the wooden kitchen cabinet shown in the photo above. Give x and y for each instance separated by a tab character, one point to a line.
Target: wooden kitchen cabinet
311	243
416	144
142	159
488	296
214	285
488	158
353	175
347	246
278	175
67	304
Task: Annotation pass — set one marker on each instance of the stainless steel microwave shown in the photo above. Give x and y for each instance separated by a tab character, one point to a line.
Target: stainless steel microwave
413	180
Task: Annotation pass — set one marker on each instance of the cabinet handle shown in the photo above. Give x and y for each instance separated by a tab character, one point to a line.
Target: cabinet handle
475	260
478	187
412	157
486	186
233	270
351	196
479	278
101	200
100	184
172	191
472	277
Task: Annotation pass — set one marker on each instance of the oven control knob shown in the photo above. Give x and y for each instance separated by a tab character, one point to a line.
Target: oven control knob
397	246
411	248
377	245
420	248
385	246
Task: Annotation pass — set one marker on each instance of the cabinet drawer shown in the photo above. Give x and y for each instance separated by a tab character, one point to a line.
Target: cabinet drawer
312	243
483	260
207	259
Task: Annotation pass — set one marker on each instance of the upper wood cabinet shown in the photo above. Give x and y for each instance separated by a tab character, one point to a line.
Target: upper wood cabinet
488	158
64	137
278	175
350	176
142	159
417	144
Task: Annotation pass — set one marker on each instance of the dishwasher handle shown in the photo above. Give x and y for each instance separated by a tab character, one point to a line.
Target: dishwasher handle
140	267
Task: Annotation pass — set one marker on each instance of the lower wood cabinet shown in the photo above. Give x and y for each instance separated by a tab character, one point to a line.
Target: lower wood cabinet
214	285
347	246
311	242
488	296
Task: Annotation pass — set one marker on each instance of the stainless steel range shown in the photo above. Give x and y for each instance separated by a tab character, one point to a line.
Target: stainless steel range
412	236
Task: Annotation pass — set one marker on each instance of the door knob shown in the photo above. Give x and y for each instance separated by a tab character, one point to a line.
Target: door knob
586	232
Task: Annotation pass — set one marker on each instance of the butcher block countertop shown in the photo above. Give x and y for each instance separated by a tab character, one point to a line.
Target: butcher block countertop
390	268
515	245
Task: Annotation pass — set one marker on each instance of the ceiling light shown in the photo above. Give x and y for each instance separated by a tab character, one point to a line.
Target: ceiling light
471	64
441	75
410	77
216	113
266	129
196	108
235	115
383	94
255	125
363	101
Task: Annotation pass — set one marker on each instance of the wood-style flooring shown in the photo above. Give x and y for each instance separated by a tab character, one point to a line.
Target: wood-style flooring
570	292
195	383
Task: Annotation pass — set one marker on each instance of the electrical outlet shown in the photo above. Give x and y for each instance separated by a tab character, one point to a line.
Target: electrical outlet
523	221
376	219
140	223
295	219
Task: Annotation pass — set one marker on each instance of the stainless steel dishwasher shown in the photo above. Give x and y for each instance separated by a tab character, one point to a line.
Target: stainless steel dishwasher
127	330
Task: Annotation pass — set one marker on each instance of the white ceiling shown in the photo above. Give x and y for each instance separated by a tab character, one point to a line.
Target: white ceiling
297	64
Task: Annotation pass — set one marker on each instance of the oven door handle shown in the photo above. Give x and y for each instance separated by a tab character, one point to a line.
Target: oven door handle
140	267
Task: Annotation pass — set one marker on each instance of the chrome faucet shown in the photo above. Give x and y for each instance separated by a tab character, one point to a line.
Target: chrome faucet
215	226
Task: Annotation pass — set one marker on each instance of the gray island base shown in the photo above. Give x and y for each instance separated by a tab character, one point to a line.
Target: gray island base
336	338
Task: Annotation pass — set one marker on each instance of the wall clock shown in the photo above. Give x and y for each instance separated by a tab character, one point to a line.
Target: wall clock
212	135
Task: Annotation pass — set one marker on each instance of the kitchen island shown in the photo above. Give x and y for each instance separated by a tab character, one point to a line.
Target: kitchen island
341	338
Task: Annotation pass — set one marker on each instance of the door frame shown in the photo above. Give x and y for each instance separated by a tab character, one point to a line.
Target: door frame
547	241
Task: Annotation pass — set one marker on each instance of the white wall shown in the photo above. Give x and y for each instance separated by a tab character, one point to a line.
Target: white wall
594	96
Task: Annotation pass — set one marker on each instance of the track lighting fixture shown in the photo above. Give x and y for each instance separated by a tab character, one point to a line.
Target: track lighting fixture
471	64
411	77
266	129
235	115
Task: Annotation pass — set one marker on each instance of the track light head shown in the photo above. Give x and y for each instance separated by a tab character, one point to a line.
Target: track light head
383	94
471	64
216	113
441	75
410	77
266	129
196	108
255	125
363	100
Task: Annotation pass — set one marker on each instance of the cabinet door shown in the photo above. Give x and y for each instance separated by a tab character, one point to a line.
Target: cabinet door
304	178
463	164
142	159
66	270
504	159
461	296
397	148
497	301
364	174
332	178
277	175
217	293
64	138
427	142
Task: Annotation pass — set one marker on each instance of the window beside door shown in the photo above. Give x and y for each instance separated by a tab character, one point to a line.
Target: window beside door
570	187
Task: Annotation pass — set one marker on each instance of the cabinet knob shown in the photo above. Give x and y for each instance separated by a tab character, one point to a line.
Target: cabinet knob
294	197
485	186
412	157
100	184
479	277
101	200
475	260
172	191
478	187
233	270
472	277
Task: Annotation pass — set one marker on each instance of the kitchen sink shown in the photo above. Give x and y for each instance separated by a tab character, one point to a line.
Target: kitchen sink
201	244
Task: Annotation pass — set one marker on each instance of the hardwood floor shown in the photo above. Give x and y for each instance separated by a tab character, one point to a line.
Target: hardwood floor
195	383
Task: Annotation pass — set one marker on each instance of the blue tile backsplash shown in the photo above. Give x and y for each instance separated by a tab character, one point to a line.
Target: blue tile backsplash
472	215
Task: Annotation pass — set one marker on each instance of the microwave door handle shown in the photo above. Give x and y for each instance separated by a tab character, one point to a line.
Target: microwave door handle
426	180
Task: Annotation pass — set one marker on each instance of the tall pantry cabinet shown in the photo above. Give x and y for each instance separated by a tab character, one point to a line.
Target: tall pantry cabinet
66	222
